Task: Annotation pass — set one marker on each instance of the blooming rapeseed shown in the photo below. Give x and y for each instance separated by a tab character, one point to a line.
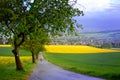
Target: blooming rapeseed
76	49
5	45
73	49
7	59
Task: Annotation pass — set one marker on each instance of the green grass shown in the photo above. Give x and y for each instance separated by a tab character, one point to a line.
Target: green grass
7	51
100	65
8	68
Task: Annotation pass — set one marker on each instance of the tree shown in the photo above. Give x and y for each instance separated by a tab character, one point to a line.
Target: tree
106	45
35	43
20	18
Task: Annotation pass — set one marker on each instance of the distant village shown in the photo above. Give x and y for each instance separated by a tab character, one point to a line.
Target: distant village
101	43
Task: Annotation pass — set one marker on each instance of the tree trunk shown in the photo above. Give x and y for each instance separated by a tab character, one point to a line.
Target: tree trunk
36	56
17	59
33	57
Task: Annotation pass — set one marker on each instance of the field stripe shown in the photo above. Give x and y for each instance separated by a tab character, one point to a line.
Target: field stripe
5	45
76	49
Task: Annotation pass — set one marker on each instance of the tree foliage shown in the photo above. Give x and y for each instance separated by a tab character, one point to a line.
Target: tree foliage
20	18
35	43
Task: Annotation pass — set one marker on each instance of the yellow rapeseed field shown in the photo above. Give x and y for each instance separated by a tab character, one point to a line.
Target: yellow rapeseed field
8	59
76	49
5	45
72	49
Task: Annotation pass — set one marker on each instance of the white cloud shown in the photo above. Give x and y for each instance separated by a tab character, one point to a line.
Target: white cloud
93	5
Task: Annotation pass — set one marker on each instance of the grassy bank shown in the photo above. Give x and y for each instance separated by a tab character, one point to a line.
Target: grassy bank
8	68
100	65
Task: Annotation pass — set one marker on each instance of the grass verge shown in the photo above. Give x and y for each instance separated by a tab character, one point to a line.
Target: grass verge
8	68
7	51
100	65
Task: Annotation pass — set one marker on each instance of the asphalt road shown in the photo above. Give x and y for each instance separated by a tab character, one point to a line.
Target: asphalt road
47	71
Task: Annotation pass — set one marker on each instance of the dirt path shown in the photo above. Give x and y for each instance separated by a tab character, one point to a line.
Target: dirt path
47	71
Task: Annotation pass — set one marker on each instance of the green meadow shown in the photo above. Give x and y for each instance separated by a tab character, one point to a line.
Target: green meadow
104	65
7	51
8	68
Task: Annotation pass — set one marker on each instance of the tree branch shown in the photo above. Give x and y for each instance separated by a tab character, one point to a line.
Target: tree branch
23	39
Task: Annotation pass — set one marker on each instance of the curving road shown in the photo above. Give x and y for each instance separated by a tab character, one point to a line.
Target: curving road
47	71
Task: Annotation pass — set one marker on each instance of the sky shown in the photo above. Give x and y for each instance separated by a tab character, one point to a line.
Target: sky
100	15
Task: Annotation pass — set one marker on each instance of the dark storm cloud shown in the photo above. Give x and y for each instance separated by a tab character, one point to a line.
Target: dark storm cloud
108	19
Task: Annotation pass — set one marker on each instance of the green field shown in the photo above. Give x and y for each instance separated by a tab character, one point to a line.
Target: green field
8	68
101	65
7	51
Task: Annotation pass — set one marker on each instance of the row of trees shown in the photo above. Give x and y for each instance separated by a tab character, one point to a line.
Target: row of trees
31	22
